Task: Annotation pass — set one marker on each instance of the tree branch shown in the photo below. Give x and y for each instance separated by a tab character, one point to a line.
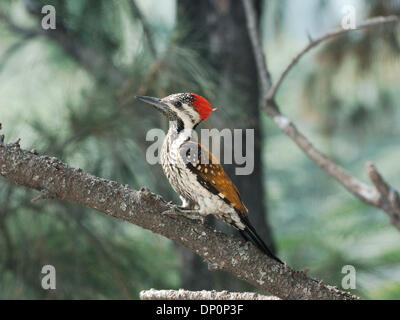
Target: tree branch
373	195
369	23
181	294
143	208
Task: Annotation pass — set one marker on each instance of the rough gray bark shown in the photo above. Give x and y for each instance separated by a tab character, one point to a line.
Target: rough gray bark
218	31
56	180
181	294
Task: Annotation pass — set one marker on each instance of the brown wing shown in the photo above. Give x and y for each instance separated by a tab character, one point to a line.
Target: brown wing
211	175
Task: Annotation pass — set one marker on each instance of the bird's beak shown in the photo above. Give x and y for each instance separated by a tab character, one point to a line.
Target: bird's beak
156	102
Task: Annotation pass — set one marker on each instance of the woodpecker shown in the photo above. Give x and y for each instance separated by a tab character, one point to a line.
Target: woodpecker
194	173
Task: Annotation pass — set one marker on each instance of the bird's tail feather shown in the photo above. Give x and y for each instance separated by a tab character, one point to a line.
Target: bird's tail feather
250	234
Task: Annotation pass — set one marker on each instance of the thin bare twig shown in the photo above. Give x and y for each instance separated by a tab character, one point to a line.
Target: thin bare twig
374	195
389	199
369	23
263	74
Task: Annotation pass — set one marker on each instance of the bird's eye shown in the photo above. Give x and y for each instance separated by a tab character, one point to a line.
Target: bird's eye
178	104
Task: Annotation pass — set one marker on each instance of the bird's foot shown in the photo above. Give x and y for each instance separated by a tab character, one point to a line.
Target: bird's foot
187	213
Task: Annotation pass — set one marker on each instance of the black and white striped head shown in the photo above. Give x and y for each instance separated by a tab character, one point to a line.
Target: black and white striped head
188	109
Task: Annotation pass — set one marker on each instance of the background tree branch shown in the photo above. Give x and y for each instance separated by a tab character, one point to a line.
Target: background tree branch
369	23
181	294
381	195
222	252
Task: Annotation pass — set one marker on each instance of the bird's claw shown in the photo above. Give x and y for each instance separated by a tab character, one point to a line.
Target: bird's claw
187	213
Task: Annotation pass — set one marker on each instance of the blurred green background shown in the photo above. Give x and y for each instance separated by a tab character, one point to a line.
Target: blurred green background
70	93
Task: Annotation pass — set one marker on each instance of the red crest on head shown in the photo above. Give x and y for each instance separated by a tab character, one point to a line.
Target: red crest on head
202	106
